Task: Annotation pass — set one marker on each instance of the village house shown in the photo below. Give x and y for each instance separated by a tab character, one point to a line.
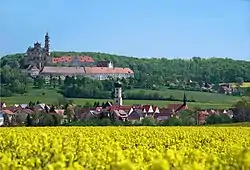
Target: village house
203	114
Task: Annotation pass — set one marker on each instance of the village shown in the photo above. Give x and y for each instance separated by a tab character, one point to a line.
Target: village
19	114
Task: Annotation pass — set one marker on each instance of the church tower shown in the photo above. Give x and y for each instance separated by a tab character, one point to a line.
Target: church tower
184	99
47	44
118	94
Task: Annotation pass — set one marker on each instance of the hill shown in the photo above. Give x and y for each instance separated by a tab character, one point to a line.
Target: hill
160	71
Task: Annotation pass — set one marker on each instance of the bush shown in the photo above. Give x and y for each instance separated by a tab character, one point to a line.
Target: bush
218	118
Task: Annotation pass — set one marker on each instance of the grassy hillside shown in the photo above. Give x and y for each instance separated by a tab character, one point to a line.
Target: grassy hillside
203	100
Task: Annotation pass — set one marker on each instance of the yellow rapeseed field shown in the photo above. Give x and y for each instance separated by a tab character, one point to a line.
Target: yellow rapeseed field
126	148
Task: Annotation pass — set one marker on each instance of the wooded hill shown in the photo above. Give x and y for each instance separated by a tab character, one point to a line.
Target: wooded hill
159	71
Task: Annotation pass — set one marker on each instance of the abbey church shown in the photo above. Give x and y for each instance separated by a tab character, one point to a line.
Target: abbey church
38	56
39	62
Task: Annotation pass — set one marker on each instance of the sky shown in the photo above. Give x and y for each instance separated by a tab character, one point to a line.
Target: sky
140	28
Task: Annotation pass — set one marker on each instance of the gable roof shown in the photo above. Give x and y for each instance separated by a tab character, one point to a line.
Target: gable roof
147	109
6	111
2	104
63	70
23	106
164	114
135	114
107	70
67	59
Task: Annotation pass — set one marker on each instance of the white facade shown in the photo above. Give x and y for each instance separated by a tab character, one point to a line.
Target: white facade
104	76
1	119
118	96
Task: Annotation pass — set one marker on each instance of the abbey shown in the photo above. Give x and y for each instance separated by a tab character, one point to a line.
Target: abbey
38	61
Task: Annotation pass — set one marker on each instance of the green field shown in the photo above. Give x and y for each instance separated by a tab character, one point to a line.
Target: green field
241	124
244	85
203	100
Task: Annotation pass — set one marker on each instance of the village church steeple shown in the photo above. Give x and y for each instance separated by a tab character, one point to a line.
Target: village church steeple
184	99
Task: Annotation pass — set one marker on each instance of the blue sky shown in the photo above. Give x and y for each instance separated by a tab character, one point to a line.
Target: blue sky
142	28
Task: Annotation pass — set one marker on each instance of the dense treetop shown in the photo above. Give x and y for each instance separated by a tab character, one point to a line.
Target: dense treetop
160	71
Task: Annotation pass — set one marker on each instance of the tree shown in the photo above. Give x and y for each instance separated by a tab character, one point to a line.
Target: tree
148	121
172	121
239	81
59	80
218	119
45	119
57	119
50	80
21	118
70	114
188	117
247	91
54	82
242	110
40	82
14	64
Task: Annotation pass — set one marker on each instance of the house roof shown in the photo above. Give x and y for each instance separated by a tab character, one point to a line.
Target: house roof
135	114
117	107
85	70
2	104
6	111
106	70
84	59
23	106
59	111
63	70
120	113
164	112
32	68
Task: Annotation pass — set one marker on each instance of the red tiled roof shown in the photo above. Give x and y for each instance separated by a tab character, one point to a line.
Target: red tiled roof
11	108
85	59
155	108
63	70
7	112
59	111
146	107
106	70
116	107
85	70
62	59
163	113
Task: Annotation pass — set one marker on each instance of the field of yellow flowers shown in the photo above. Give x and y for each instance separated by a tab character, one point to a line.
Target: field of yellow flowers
125	148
